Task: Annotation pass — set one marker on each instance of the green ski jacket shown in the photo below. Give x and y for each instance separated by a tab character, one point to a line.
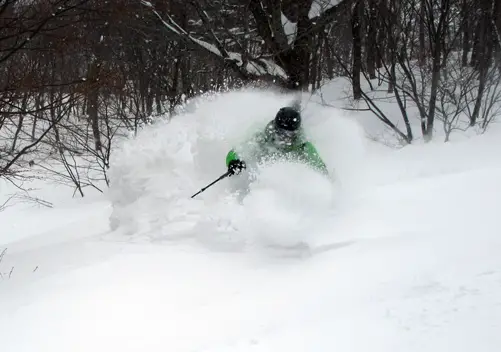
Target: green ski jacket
260	148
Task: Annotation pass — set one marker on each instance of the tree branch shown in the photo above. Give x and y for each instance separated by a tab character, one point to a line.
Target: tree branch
259	68
320	21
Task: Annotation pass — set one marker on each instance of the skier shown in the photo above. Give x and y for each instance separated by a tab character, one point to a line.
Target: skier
282	139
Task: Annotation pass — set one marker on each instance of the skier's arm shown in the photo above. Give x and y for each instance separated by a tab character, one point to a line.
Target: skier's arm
233	161
253	146
314	158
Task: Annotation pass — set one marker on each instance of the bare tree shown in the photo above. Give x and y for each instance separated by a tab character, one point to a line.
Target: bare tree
356	24
284	58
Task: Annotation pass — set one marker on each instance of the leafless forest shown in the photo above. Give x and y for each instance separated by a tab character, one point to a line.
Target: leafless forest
76	73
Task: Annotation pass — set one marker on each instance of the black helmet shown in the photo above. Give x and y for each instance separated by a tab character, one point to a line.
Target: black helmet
288	119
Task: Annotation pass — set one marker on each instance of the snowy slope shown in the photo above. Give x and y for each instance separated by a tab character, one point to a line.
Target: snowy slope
410	241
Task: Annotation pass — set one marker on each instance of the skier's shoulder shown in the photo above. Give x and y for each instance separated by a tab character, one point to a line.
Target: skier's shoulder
304	142
255	139
309	149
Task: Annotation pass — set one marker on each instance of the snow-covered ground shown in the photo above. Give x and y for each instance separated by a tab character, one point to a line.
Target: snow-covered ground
404	245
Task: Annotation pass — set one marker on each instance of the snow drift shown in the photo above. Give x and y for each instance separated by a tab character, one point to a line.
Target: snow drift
421	273
155	174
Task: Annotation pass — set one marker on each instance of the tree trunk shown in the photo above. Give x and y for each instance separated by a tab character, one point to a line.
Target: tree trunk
316	63
476	45
357	50
422	47
484	55
175	84
329	58
381	39
20	123
38	112
466	33
480	94
93	104
158	99
53	119
401	105
297	59
371	41
497	31
437	50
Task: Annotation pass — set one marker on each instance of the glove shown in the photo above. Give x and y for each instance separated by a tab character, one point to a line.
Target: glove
235	167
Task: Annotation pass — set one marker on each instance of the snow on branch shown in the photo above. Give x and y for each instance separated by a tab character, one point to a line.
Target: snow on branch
320	6
250	69
321	14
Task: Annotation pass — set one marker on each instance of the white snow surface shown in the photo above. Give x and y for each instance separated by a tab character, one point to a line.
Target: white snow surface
405	245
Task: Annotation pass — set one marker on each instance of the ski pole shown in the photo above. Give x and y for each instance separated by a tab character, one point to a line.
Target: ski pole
211	184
